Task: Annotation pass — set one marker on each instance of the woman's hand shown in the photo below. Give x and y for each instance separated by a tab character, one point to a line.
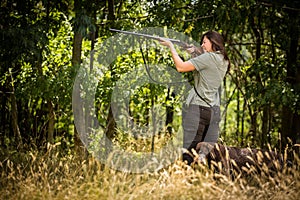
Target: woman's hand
166	43
190	49
194	51
179	64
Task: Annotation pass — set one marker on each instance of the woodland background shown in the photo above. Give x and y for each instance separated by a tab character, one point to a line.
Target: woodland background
44	42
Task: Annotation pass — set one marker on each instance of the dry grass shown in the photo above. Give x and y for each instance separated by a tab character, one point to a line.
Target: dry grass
48	175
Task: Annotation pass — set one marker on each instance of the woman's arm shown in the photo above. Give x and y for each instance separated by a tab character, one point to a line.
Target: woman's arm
181	66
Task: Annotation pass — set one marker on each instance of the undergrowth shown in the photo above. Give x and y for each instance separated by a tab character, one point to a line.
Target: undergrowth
50	175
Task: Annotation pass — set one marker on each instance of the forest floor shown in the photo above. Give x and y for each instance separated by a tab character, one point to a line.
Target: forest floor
33	175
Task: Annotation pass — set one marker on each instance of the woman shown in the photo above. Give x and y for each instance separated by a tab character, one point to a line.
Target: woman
201	114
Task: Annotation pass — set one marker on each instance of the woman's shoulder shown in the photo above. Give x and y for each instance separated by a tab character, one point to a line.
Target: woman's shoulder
219	58
204	56
216	54
209	55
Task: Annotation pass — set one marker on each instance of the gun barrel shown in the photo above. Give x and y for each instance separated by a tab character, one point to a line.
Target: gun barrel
145	35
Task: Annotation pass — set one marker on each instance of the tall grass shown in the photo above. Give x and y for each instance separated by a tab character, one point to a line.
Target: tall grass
50	175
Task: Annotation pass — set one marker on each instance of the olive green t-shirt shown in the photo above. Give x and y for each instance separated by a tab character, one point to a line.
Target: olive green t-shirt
210	70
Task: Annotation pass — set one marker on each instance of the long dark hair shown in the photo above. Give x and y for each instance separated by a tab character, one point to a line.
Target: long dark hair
217	43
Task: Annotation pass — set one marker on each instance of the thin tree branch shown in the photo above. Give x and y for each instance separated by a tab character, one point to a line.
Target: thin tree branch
197	18
283	7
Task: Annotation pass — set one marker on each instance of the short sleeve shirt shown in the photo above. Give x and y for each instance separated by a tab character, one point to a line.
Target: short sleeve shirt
210	70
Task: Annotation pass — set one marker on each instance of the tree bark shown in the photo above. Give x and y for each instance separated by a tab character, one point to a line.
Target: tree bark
290	119
110	121
77	47
111	10
265	126
258	38
51	122
169	112
76	61
14	115
110	125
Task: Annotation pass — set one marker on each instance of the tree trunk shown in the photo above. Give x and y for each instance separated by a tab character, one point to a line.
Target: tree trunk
3	118
111	10
77	47
110	121
76	61
257	30
14	115
146	115
238	115
243	122
110	125
169	112
265	126
51	122
290	119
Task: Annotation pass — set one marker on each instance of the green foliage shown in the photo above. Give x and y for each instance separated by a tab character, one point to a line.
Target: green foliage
36	52
31	39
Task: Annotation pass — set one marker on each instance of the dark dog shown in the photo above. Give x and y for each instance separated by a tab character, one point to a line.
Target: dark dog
239	159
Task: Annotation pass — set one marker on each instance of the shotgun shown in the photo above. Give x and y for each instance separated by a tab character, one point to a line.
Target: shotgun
196	50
